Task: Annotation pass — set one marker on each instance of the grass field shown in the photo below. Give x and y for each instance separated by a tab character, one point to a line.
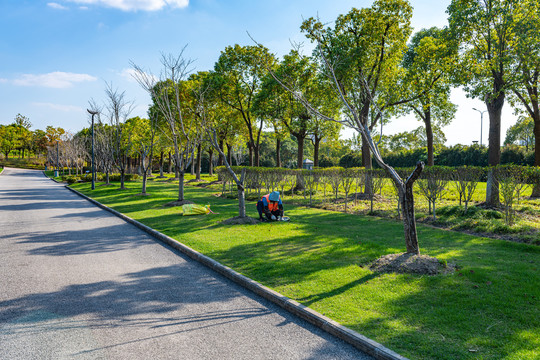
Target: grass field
488	309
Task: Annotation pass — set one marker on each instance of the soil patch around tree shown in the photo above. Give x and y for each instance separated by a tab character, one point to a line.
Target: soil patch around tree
411	264
237	220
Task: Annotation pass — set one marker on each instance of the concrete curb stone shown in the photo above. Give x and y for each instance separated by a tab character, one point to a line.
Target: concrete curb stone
359	341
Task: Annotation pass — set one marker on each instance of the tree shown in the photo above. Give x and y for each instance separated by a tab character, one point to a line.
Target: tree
53	134
354	107
365	48
427	63
144	137
486	32
521	133
118	110
39	141
23	125
275	102
168	94
527	52
239	72
8	139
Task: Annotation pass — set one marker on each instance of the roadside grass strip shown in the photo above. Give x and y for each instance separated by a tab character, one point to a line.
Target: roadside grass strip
488	309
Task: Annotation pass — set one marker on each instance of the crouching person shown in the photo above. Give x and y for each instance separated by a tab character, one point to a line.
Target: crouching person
271	206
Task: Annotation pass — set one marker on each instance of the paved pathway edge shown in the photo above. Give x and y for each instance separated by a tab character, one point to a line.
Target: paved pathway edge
357	340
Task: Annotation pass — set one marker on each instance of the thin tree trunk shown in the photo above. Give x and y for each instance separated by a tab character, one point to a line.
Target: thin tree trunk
210	160
144	178
429	137
278	153
494	151
536	187
316	146
250	150
161	164
407	205
229	156
122	179
198	165
220	158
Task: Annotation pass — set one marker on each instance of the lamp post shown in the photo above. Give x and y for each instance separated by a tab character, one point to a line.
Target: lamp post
57	162
93	172
481	121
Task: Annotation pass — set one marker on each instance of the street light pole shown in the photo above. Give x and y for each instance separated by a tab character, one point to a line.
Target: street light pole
93	172
57	162
481	121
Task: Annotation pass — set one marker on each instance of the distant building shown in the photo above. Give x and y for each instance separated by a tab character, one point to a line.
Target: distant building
307	164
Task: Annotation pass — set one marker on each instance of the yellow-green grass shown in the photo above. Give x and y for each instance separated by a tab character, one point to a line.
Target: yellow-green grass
488	309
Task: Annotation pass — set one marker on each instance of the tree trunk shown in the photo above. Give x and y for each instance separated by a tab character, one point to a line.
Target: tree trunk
210	160
192	162
494	107
366	155
161	164
536	187
170	163
129	165
407	206
278	154
256	153
144	178
122	179
198	162
229	156
250	149
220	158
429	137
300	154
316	146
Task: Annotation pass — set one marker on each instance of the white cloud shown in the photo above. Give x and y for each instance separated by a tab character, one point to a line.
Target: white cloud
57	79
3	81
56	6
134	5
59	107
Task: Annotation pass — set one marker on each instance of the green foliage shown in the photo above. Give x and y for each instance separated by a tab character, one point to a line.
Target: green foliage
521	133
351	160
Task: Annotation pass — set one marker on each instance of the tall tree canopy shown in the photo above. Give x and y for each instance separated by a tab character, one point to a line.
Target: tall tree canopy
365	48
239	74
486	32
427	62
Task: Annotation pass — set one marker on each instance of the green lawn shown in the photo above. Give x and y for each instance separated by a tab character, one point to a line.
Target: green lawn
489	309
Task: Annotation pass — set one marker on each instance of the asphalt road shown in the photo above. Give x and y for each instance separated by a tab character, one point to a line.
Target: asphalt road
76	282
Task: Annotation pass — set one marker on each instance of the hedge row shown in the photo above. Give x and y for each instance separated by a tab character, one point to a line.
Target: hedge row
70	179
458	155
273	176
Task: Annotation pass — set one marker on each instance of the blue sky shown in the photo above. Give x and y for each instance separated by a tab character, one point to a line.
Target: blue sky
55	55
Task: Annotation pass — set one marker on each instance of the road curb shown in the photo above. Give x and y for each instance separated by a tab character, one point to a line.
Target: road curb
357	340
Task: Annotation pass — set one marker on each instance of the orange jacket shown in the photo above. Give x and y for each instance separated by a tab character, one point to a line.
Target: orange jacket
272	205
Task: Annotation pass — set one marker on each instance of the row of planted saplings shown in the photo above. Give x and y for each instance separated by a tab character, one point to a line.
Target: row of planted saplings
433	184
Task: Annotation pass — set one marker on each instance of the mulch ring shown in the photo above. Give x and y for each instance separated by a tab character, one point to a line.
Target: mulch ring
411	264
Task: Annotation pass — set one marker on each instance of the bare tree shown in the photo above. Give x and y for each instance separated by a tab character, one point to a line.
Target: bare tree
146	151
118	110
168	93
353	118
